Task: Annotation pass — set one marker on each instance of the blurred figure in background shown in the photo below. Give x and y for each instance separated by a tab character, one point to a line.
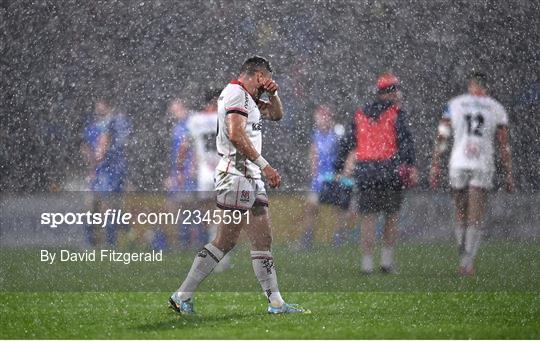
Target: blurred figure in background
323	153
474	120
202	127
182	177
378	150
105	144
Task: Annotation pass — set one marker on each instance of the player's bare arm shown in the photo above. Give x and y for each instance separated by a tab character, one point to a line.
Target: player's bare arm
236	125
273	109
181	157
102	147
313	158
441	145
350	161
506	156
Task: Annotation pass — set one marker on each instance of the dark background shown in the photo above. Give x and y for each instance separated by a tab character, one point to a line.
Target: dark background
57	56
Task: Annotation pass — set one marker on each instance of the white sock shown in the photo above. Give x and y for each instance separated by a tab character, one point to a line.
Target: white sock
472	242
387	257
263	265
367	263
205	261
459	231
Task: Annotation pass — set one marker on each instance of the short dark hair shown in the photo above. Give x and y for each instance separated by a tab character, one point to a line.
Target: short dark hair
254	64
479	78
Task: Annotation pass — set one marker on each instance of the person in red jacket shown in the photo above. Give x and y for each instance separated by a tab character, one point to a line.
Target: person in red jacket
378	151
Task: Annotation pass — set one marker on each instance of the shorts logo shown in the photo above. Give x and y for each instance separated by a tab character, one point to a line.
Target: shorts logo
244	196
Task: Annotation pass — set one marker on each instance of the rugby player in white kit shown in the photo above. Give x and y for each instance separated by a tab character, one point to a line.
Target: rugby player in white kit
475	122
202	128
239	185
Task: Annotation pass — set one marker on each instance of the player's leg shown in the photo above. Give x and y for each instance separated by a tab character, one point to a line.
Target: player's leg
368	223
260	236
91	230
341	226
220	239
475	226
368	209
259	233
205	261
228	188
389	242
461	201
391	200
345	218
459	181
310	215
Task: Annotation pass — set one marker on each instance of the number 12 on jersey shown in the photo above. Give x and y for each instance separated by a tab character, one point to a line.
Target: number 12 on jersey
475	123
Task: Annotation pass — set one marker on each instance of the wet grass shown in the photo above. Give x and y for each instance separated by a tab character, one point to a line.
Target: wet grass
242	315
426	300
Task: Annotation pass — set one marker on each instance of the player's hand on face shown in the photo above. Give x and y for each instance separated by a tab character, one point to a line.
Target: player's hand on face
272	176
263	105
270	86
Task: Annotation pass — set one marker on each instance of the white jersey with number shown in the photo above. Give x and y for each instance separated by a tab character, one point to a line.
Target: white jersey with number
474	121
202	127
234	99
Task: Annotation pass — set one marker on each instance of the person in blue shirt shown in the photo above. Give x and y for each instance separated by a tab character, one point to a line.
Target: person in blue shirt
322	155
105	140
182	172
181	159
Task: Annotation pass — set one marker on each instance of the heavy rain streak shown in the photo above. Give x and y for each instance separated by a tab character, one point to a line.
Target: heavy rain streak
177	169
408	144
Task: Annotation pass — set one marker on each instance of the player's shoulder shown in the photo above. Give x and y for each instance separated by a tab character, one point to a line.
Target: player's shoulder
232	91
459	99
493	103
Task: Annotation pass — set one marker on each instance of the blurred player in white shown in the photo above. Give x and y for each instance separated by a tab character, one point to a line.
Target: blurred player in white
239	185
202	127
475	121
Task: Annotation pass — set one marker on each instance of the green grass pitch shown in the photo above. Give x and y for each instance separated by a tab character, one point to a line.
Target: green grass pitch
426	300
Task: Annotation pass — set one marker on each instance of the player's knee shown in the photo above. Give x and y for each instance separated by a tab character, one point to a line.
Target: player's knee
224	245
225	242
262	243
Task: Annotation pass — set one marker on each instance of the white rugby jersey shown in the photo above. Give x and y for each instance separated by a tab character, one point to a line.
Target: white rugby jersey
202	127
235	99
474	122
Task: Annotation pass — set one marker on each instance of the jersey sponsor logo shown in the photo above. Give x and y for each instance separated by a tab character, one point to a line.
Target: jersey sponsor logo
257	126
